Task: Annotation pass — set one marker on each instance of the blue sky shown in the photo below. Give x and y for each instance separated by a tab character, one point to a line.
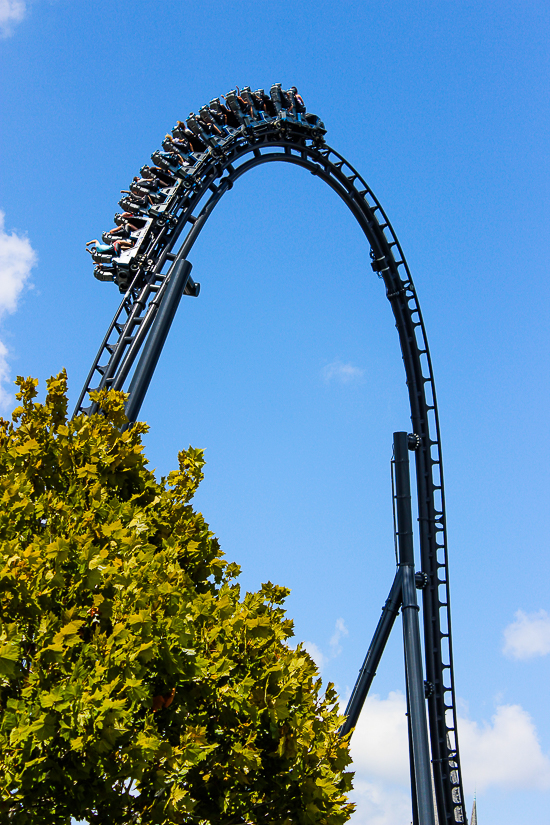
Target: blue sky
287	367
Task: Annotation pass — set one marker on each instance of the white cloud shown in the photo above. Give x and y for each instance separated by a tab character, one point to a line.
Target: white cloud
5	397
344	373
380	753
528	635
504	752
380	804
379	745
17	258
11	13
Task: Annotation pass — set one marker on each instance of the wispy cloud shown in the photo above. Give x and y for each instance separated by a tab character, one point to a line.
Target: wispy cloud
17	258
340	631
321	658
11	13
343	373
528	635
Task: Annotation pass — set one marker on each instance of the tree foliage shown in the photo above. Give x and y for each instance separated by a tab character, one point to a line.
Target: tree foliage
136	686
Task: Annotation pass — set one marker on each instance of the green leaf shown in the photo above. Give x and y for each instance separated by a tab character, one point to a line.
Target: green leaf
9	655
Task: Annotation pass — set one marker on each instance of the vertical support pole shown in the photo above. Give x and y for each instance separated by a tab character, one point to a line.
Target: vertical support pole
411	763
411	635
156	338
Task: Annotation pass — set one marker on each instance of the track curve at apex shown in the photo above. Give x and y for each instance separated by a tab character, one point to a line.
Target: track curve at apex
146	255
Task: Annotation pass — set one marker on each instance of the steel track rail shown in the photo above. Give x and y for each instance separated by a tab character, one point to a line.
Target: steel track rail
215	175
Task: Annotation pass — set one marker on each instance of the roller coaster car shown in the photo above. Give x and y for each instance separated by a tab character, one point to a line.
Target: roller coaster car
236	109
165	179
198	130
228	116
154	197
137	188
171	164
151	184
136	221
104	273
195	143
206	118
246	95
130	205
109	237
140	238
315	122
102	257
268	104
275	95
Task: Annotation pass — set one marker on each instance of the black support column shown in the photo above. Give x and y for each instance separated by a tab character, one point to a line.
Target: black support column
157	337
418	728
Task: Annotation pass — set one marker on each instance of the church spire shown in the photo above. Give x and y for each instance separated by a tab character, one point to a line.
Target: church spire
473	819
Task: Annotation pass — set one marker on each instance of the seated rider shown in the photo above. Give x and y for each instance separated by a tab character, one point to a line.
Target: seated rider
214	124
150	172
125	217
179	144
152	184
207	124
143	202
181	131
239	106
286	101
219	119
259	100
267	103
224	114
170	148
246	98
199	128
114	249
124	228
298	105
246	108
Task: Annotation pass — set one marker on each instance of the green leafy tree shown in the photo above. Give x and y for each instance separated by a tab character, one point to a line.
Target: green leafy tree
136	685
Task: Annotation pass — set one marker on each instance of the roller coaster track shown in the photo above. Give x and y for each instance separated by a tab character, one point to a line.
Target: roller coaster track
177	229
